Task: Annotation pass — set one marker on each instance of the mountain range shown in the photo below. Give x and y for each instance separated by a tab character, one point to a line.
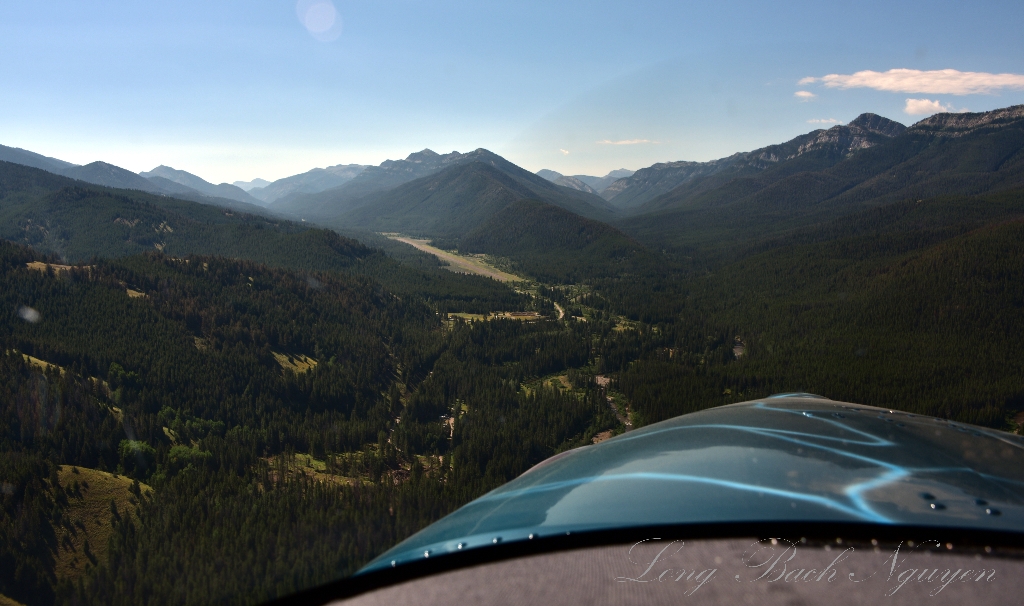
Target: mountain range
223	190
669	206
162	180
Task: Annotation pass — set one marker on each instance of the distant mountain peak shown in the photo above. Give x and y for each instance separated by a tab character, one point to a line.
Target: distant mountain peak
108	175
178	176
863	132
249	185
420	156
880	125
619	173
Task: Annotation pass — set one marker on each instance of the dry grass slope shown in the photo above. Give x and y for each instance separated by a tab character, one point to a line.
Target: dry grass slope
6	601
91	516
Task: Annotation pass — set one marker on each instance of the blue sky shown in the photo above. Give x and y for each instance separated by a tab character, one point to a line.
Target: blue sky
234	90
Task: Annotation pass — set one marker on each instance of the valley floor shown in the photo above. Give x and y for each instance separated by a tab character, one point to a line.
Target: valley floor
459	263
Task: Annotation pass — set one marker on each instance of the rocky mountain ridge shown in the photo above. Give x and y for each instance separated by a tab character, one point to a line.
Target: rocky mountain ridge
960	124
837	143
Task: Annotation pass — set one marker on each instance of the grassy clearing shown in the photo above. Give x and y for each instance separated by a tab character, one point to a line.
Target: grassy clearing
40	266
623	324
467	317
555	381
296	363
300	464
524	316
91	515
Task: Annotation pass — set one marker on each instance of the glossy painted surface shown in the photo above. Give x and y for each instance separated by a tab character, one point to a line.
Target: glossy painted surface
785	458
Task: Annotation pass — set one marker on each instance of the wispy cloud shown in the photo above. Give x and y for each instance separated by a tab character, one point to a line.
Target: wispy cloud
823	121
918	107
565	152
804	95
626	142
936	82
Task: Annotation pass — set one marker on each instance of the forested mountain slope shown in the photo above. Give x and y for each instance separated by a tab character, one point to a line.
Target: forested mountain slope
108	175
77	222
206	377
170	358
908	306
28	158
555	245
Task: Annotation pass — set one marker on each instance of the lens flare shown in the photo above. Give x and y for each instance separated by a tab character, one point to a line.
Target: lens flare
320	18
28	314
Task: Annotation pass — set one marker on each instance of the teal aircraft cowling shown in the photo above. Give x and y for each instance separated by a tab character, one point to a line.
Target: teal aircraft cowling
787	458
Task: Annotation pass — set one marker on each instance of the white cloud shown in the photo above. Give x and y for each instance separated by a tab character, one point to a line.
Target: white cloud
565	152
625	142
918	107
936	82
823	121
804	95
